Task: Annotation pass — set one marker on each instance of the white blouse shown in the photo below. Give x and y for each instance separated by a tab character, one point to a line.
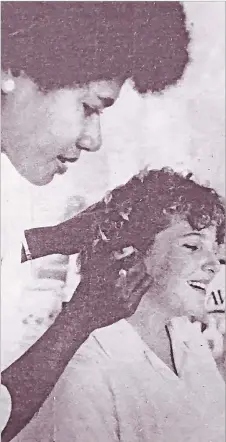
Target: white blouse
116	389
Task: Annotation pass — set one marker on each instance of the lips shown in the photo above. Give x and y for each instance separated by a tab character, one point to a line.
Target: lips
61	167
198	285
66	159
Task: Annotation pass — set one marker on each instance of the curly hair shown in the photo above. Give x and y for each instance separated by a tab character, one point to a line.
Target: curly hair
60	44
133	214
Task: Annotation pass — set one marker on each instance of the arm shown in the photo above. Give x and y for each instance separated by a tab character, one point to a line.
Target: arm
67	238
31	378
80	408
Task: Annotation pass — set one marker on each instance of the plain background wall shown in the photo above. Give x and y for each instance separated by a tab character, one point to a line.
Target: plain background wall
183	128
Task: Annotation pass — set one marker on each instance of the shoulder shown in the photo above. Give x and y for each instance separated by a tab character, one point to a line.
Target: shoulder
109	343
105	352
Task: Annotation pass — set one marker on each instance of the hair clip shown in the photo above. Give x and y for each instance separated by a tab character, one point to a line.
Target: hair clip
127	251
143	173
102	235
108	197
122	272
125	216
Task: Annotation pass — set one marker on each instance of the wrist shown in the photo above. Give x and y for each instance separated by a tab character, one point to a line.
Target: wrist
76	321
41	241
25	251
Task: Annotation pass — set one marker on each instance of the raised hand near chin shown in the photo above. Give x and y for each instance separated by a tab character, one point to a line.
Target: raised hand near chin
100	309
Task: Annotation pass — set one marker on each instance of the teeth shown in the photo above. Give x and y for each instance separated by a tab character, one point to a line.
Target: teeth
197	285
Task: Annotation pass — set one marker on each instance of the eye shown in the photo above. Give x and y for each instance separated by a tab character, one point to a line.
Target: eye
107	102
88	110
191	247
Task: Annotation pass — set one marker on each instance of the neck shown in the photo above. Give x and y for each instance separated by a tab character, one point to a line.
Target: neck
150	320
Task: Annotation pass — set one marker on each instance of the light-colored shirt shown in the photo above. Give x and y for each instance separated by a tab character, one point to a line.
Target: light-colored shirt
5	406
32	292
116	389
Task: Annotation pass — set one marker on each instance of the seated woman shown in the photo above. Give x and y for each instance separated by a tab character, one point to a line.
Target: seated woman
151	377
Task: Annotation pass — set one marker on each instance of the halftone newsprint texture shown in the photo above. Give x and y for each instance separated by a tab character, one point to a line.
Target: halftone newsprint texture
113	221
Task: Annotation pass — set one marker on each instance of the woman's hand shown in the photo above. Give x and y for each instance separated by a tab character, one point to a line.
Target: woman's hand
215	306
100	309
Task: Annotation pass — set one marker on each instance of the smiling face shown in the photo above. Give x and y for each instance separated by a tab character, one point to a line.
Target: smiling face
182	263
40	132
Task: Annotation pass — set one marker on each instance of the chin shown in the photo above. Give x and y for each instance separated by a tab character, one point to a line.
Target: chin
40	181
199	314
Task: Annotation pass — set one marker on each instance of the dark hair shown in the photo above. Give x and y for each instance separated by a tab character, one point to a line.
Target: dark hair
61	44
133	214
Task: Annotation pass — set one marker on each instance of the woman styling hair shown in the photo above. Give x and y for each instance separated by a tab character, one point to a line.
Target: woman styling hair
74	56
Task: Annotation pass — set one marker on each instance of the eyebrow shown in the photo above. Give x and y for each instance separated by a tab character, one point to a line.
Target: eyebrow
192	234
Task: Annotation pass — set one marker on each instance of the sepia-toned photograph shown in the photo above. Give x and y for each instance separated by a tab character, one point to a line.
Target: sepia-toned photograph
113	221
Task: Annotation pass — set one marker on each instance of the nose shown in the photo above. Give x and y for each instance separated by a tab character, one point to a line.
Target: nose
90	139
211	266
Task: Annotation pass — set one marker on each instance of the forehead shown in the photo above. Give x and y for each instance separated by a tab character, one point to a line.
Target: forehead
101	89
94	93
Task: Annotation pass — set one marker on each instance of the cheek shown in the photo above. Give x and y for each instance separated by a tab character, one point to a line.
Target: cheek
183	264
165	264
67	126
159	269
66	120
17	123
175	274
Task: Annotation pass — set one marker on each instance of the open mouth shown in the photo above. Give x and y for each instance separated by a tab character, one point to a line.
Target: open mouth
65	159
199	286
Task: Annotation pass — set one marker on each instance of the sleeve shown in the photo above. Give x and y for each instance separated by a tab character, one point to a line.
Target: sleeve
5	407
66	238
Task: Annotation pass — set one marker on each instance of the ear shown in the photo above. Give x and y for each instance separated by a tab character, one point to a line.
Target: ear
133	283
